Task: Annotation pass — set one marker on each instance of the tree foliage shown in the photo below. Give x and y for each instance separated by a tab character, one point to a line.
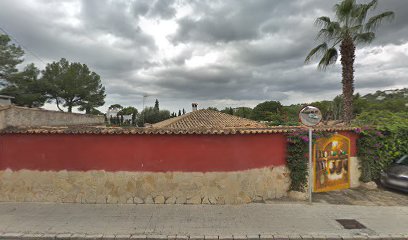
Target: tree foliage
152	115
228	110
128	111
95	111
73	84
383	139
26	88
156	105
213	109
270	111
291	114
117	106
244	112
95	98
10	56
331	110
383	120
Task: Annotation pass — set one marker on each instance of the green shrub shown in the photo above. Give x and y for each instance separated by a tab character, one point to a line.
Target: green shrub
297	157
384	138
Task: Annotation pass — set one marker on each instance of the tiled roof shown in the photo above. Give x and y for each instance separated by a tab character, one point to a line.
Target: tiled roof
161	131
207	119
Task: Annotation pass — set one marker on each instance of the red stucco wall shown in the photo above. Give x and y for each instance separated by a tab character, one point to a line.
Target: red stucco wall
353	141
158	153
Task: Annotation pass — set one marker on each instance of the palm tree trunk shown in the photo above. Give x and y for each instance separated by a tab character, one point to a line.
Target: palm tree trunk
347	50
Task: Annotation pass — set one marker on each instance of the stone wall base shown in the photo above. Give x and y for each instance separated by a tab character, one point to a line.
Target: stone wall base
255	185
355	172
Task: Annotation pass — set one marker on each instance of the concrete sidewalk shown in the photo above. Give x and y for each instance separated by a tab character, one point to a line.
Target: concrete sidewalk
252	221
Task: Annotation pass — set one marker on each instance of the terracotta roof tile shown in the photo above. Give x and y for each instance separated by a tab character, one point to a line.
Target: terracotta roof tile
207	119
161	131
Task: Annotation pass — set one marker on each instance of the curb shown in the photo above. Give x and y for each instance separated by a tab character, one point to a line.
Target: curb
79	236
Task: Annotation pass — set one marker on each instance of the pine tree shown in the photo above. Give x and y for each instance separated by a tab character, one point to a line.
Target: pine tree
72	85
179	113
11	56
156	105
184	111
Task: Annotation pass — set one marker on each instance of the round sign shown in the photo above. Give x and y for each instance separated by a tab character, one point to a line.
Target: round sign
310	116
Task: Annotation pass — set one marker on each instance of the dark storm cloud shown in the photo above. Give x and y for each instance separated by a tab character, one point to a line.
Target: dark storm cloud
220	53
232	21
53	39
218	82
245	20
97	17
209	82
264	53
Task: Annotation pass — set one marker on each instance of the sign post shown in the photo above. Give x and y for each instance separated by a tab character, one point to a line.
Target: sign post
310	116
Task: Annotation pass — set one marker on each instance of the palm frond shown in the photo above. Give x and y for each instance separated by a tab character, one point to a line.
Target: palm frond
374	22
344	9
320	49
366	37
333	29
329	57
361	10
322	21
324	33
355	29
372	5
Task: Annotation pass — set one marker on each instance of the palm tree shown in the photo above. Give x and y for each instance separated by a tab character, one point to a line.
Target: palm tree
349	29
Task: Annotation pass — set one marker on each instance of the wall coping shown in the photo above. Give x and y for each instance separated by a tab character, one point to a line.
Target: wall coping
98	130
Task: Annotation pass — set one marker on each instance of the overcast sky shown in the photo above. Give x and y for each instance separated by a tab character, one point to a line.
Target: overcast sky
217	53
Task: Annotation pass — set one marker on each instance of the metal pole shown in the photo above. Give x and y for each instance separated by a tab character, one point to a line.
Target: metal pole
310	165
